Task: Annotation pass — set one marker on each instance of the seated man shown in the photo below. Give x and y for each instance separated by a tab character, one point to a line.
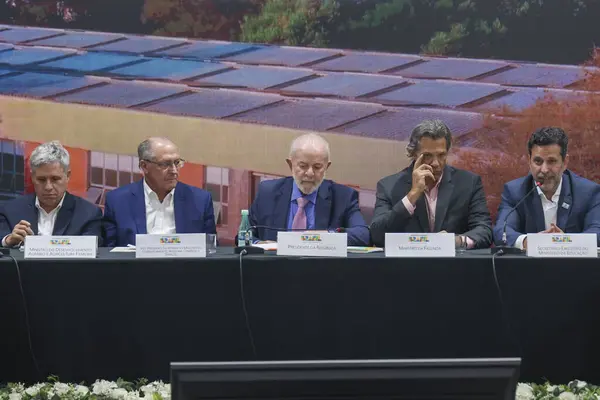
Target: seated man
51	210
563	201
157	204
430	196
306	200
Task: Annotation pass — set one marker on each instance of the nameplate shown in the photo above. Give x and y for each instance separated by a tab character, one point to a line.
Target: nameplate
61	246
312	244
420	245
184	245
570	245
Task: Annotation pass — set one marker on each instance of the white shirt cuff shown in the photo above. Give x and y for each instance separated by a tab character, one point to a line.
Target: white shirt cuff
519	242
409	207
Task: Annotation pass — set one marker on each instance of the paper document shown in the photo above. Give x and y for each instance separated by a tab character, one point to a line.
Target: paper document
128	249
359	249
267	246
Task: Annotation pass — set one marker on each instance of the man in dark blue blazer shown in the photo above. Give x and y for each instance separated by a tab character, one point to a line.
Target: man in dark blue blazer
563	203
306	200
158	204
51	210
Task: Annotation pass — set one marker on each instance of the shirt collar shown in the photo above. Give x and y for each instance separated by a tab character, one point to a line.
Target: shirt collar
151	193
556	194
39	207
296	194
437	184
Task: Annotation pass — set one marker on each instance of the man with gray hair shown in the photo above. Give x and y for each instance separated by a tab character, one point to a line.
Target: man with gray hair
159	203
430	196
307	200
51	210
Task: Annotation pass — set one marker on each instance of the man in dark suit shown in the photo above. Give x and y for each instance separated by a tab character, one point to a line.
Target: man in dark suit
158	204
564	201
306	200
51	210
430	196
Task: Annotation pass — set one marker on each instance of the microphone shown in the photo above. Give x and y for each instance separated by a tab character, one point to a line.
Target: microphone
505	248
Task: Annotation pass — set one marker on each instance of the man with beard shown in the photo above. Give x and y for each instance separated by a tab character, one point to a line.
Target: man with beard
430	196
157	204
51	210
306	200
562	202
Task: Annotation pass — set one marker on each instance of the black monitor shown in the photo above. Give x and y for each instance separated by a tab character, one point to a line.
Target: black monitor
464	379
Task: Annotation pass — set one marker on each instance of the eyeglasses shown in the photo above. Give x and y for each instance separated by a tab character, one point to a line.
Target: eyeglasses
168	164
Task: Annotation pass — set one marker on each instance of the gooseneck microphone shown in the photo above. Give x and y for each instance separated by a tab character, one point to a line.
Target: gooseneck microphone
505	248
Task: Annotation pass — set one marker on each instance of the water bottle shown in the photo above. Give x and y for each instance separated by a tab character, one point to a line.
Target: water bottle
243	232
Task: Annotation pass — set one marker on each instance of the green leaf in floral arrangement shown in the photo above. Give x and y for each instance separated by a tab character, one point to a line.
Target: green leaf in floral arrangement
141	382
123	384
53	378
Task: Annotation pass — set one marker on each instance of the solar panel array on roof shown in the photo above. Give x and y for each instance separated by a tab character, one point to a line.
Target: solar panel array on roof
343	85
519	100
42	85
288	56
367	62
208	50
398	124
213	103
254	77
140	45
77	39
450	68
538	75
26	55
166	69
20	35
449	94
91	62
311	115
122	94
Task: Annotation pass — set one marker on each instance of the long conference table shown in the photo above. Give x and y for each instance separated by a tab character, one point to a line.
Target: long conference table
117	316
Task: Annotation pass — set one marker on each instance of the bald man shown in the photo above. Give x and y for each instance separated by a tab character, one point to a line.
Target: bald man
307	200
159	203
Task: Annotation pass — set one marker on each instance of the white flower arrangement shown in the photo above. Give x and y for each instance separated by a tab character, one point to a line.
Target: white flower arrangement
99	390
158	390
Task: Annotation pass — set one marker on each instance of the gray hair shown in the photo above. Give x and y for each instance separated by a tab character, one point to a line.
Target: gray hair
312	140
146	150
434	129
49	153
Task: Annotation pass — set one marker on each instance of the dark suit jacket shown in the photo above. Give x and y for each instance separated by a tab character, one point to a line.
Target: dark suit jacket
336	207
125	212
76	217
461	207
578	208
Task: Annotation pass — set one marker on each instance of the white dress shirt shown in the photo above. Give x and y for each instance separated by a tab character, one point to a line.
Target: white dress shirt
160	217
550	208
46	220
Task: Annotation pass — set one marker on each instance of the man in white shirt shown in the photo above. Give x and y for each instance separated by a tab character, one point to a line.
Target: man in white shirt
51	210
159	203
562	201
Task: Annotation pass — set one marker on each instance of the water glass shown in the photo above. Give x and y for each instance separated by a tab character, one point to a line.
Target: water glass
211	243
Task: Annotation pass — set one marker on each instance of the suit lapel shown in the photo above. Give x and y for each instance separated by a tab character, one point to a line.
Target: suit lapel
565	202
445	191
179	209
65	215
537	210
402	189
32	215
138	207
323	206
281	206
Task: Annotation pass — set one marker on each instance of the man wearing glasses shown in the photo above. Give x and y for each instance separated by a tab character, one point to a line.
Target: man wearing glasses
158	204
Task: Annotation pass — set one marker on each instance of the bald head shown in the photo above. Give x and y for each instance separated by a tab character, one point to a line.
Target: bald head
148	148
308	161
310	142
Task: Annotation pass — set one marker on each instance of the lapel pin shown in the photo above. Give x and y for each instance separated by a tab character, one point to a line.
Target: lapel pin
565	206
